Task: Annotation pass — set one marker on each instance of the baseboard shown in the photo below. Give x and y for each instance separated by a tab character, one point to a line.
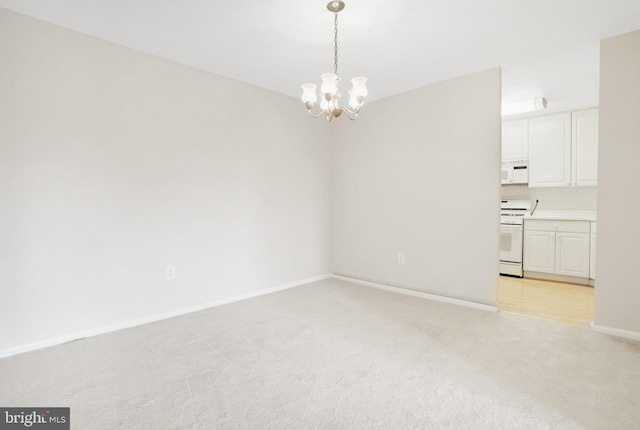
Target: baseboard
627	334
557	278
414	293
152	318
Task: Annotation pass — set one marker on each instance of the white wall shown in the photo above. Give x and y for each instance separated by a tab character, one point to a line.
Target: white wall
114	164
419	173
617	293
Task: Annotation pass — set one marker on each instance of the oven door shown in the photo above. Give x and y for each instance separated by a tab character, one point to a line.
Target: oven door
511	243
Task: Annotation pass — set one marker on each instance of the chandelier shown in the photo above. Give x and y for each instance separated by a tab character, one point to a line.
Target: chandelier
329	92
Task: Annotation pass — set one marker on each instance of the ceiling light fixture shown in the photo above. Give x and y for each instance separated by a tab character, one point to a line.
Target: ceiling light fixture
329	92
532	105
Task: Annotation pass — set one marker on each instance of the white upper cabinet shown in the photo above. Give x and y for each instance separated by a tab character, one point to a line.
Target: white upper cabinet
563	149
515	139
550	150
584	146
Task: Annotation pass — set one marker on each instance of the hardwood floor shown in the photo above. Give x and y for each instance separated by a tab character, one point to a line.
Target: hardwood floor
556	300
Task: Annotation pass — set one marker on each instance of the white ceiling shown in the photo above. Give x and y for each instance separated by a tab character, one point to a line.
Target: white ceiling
545	47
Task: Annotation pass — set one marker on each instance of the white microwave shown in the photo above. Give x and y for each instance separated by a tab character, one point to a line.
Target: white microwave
515	171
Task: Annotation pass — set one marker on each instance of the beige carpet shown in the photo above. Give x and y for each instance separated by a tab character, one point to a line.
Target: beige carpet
335	355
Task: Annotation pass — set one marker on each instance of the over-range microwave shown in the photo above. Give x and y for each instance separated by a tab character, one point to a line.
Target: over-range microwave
515	171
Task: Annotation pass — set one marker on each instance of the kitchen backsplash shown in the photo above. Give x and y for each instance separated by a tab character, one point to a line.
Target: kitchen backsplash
554	198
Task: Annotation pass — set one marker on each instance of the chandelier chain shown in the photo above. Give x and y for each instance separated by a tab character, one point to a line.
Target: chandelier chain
335	44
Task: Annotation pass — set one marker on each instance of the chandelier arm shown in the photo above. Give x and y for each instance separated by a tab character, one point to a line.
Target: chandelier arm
319	114
350	114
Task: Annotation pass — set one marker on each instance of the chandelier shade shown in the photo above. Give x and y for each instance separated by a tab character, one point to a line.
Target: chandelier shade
329	92
309	93
329	83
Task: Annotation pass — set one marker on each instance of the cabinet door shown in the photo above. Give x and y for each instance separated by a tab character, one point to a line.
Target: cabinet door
592	253
584	145
515	139
539	251
572	254
550	150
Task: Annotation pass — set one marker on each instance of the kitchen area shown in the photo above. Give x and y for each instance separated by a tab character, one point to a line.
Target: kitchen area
548	214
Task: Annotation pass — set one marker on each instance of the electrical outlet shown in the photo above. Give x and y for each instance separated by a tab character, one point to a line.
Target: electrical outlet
400	257
170	272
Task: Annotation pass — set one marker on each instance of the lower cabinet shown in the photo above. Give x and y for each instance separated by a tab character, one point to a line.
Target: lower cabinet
592	265
572	254
540	251
557	247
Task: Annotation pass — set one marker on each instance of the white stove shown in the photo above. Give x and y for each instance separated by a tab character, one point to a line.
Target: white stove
512	214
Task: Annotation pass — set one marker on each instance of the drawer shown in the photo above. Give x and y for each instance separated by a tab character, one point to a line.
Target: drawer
556	225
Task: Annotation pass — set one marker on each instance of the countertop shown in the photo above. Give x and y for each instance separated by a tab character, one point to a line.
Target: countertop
563	215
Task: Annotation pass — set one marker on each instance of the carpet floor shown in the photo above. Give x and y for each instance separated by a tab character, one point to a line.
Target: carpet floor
336	355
